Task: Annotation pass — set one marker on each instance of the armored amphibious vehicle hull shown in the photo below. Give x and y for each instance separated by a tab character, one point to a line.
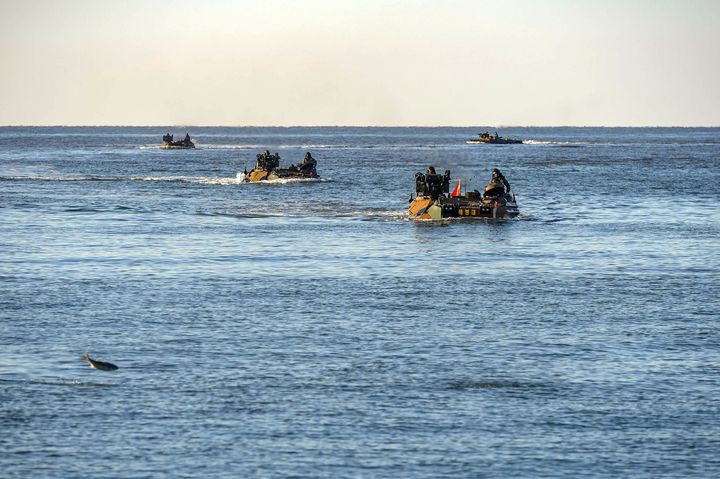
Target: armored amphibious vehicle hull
271	175
267	168
177	146
169	142
425	208
487	138
494	141
435	202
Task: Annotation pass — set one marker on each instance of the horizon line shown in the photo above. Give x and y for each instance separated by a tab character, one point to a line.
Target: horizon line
349	126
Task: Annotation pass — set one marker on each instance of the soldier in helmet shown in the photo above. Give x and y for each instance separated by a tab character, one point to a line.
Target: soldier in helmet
308	164
273	161
433	183
498	186
498	177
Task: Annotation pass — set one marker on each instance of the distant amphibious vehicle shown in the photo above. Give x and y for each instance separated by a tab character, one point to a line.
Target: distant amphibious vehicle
170	144
267	168
434	200
492	139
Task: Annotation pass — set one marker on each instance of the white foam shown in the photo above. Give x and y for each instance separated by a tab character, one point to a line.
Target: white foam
211	146
220	181
538	142
60	178
287	181
284	181
162	178
203	180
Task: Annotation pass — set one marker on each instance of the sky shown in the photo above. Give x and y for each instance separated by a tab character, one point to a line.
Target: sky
360	62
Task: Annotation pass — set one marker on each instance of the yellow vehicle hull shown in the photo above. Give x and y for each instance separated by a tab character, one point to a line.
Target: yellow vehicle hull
260	175
265	175
425	208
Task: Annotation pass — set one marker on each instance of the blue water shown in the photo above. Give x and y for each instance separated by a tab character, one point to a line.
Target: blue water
308	329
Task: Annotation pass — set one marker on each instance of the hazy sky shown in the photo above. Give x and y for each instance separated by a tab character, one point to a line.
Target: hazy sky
360	62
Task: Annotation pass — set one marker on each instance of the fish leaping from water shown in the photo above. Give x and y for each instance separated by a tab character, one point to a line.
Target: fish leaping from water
100	365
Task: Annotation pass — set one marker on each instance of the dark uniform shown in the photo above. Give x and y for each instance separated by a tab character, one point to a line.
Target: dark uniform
308	164
498	177
497	186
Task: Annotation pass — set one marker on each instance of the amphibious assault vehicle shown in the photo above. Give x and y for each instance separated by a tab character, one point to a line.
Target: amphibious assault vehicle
267	168
492	139
170	144
435	201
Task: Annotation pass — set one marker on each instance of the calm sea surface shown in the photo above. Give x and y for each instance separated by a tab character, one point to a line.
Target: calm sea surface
308	329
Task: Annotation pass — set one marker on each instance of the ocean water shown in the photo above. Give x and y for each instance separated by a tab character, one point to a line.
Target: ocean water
308	329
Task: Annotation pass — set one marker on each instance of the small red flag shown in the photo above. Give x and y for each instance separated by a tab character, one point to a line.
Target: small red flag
456	191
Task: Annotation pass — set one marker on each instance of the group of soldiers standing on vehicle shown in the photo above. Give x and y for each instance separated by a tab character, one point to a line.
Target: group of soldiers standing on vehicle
487	135
434	185
168	140
267	161
271	161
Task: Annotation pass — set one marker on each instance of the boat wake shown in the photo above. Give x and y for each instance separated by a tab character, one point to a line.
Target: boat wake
203	180
570	144
319	212
372	215
62	178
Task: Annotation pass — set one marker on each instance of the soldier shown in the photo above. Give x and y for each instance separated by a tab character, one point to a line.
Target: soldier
498	178
308	160
497	186
275	161
434	183
308	164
